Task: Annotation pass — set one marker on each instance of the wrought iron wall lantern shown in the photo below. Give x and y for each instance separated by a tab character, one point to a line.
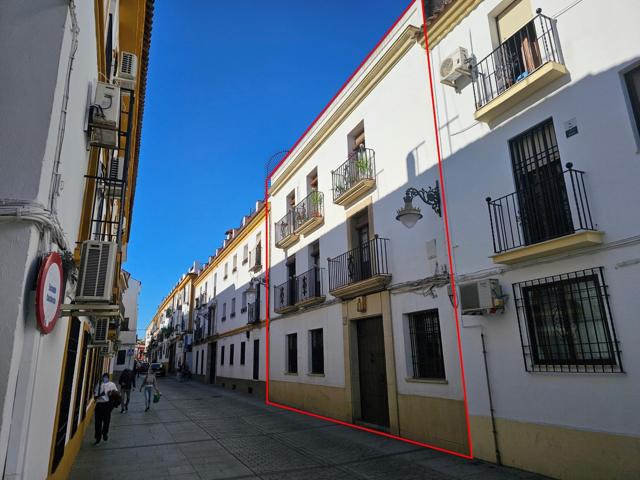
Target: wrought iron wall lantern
409	215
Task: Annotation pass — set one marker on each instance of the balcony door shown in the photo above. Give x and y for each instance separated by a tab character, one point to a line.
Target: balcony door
540	187
519	52
359	265
291	280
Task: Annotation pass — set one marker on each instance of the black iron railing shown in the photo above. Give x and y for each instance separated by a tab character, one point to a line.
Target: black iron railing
361	263
284	295
198	334
309	285
360	165
516	58
312	206
256	260
544	209
253	312
285	226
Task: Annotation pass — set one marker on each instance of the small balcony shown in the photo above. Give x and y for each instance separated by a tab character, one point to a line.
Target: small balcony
360	271
524	63
256	259
285	297
309	289
543	217
355	177
309	213
253	313
285	230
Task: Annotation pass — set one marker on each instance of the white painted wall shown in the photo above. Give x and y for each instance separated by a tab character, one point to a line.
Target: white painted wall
597	44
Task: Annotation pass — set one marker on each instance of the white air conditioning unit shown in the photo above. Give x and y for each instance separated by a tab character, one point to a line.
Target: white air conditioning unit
106	350
97	271
104	115
127	70
481	297
115	172
100	330
455	67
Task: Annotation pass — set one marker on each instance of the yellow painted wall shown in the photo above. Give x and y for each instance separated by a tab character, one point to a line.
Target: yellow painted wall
320	399
558	452
432	420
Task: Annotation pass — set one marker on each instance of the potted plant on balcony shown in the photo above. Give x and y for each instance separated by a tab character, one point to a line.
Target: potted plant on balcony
315	199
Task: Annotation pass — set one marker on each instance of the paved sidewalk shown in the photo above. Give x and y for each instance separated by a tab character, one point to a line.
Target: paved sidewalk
205	432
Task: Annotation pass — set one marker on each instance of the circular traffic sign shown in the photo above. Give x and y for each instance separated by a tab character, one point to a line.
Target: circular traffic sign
49	292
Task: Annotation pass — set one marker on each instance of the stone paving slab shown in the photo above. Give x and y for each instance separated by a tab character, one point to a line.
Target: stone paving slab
201	432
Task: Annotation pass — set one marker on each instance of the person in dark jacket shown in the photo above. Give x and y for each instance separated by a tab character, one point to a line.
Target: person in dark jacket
127	381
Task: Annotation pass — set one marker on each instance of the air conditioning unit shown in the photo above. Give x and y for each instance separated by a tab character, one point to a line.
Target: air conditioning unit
104	115
481	297
97	270
455	67
100	330
106	350
127	70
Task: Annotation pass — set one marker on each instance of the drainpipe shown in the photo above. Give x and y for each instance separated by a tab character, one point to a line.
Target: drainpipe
491	409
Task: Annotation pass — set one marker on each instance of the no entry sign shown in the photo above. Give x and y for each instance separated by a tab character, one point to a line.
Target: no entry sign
49	292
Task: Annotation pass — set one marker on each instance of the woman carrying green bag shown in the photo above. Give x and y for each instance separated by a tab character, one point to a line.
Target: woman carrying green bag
149	384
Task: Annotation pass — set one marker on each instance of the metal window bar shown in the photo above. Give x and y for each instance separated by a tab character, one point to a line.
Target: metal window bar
530	215
361	263
309	285
312	206
107	207
360	165
516	58
426	345
565	324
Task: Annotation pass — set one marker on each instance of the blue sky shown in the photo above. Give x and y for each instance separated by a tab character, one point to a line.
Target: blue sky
230	83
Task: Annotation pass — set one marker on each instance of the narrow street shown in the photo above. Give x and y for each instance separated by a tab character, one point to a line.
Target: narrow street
202	431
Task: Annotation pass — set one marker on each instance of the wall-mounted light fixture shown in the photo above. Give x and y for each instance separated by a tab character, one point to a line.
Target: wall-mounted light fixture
409	215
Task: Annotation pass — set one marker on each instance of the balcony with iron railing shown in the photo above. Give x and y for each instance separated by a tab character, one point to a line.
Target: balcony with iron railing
354	177
256	259
546	216
309	213
361	270
309	288
301	291
253	313
285	230
284	298
524	63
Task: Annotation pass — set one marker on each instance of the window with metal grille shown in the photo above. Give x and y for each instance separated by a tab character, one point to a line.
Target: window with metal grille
292	353
426	345
222	355
317	351
242	352
231	349
565	323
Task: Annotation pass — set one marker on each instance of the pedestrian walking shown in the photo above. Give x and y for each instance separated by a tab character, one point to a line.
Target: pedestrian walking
150	385
104	393
127	381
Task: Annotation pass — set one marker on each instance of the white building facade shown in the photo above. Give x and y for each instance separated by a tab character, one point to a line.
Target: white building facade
229	343
540	159
54	196
127	336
